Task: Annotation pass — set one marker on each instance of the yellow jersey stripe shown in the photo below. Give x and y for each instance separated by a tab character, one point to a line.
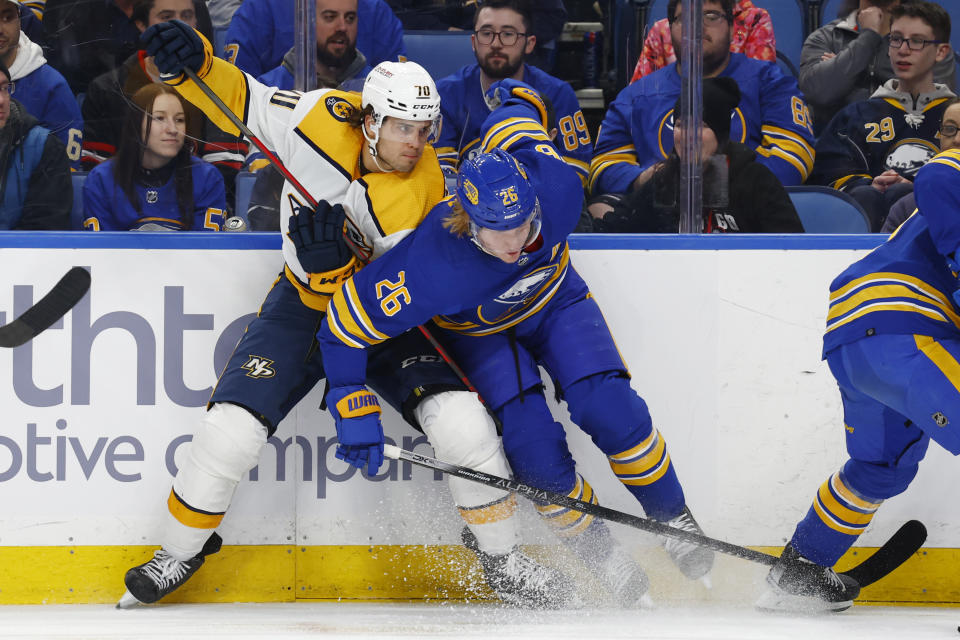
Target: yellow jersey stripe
839	184
941	358
847	494
333	321
890	306
487	514
831	522
885	292
350	293
882	276
190	517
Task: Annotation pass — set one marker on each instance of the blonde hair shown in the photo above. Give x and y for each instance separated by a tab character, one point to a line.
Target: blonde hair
458	221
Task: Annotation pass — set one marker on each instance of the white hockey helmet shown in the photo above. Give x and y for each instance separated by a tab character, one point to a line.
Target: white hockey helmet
402	90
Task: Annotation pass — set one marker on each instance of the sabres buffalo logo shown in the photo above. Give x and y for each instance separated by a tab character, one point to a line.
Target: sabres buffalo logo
471	192
907	156
338	108
524	293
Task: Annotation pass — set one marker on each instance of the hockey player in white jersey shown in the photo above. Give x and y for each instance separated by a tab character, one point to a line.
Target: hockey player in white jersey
367	162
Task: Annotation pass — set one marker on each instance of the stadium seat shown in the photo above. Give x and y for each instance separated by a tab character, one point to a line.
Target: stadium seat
439	52
244	189
76	214
829	10
826	210
787	65
789	25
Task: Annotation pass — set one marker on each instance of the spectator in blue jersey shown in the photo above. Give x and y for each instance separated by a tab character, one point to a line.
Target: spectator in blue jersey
35	186
740	195
772	118
949	136
502	40
872	149
339	64
261	33
892	342
105	106
85	38
846	60
154	183
39	87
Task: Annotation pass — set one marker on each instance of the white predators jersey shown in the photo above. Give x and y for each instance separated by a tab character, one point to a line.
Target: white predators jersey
310	134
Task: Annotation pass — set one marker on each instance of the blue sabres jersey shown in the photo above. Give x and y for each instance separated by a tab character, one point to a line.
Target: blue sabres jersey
436	272
904	286
464	111
869	137
106	207
637	130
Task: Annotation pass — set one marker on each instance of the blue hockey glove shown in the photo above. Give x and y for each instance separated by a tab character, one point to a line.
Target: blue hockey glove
510	91
357	414
174	45
318	237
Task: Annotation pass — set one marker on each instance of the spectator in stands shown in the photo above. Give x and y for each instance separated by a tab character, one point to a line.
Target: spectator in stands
40	88
637	131
872	149
752	36
154	183
846	61
339	64
89	37
105	106
739	193
35	184
221	12
548	18
501	42
262	32
949	139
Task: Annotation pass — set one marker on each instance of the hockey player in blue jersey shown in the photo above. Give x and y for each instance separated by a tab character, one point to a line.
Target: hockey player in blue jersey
772	118
873	148
893	343
492	265
367	161
501	42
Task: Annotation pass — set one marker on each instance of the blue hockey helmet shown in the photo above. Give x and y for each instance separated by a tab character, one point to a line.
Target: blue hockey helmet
494	191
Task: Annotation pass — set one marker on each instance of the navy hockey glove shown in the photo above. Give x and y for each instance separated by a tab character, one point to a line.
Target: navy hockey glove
174	45
318	237
357	414
511	92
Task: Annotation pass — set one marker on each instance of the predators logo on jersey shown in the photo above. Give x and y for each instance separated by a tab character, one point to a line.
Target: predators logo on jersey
338	108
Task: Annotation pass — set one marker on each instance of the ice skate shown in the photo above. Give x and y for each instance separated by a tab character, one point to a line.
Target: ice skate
795	584
153	580
626	579
521	581
694	561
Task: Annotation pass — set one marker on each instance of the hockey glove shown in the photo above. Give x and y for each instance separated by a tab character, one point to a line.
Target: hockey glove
511	92
318	237
174	45
357	414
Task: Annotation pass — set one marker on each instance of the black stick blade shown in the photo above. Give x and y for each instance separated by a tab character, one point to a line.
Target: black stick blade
66	293
904	543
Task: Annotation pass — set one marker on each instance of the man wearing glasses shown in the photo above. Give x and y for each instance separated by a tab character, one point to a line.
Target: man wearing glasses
502	40
872	149
637	131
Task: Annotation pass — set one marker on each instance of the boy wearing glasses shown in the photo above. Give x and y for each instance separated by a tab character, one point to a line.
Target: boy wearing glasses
502	40
872	149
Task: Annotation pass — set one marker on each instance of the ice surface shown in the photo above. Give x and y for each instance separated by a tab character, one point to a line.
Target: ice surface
457	620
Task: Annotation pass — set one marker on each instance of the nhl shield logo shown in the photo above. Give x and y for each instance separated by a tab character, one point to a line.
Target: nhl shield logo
152	196
940	419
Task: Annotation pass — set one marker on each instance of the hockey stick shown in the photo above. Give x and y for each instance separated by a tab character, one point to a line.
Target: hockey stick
51	307
891	555
275	161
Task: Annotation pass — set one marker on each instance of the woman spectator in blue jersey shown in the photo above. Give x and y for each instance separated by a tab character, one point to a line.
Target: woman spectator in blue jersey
154	183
